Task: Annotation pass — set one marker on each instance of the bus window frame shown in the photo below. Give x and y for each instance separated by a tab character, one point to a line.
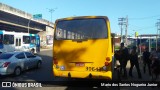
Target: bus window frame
55	32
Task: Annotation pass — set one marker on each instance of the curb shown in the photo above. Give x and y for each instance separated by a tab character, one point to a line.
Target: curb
46	49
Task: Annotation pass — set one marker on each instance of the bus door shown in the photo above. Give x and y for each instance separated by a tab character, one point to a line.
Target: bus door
18	41
37	43
33	41
1	40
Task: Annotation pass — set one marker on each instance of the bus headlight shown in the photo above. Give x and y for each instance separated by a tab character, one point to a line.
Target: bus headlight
62	67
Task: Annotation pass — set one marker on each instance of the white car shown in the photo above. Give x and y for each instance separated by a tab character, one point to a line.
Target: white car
16	62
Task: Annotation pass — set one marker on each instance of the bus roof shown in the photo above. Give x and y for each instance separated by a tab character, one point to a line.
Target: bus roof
82	17
13	32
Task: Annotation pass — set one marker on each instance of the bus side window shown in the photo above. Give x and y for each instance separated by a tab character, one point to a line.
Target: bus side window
8	39
33	39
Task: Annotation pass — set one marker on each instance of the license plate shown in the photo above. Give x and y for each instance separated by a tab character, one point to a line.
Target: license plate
80	64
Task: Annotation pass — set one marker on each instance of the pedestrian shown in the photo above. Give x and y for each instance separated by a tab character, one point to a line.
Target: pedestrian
117	56
123	59
146	60
155	66
134	62
153	54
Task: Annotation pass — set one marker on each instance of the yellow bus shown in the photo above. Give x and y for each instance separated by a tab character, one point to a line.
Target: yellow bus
83	48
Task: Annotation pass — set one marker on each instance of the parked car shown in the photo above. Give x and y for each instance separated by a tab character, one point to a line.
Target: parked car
16	62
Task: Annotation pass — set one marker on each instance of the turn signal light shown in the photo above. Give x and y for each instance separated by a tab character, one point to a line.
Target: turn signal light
106	63
107	59
55	60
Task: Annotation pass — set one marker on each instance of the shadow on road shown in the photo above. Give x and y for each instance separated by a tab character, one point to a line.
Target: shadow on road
45	76
8	88
86	88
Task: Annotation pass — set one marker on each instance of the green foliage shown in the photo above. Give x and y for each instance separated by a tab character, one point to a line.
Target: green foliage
117	47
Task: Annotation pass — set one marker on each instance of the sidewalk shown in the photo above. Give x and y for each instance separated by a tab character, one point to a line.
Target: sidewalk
145	76
45	49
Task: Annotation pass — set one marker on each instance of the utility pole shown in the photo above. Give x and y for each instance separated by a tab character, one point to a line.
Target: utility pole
158	27
126	32
121	23
29	24
51	11
158	32
124	22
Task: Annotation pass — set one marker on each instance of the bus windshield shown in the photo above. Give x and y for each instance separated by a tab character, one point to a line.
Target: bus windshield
26	39
81	29
33	40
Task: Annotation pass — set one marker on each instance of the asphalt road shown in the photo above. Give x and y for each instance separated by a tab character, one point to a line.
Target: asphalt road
45	74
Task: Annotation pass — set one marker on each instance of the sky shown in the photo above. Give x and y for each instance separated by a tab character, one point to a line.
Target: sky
142	14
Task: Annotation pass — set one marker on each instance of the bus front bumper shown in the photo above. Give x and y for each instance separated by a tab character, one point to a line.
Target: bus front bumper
80	74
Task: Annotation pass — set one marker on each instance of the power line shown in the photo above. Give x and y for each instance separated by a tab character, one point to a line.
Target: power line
142	28
143	18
